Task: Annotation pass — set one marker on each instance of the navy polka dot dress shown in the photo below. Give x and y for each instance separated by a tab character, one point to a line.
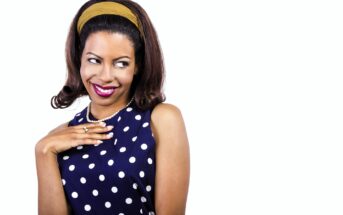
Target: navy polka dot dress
116	177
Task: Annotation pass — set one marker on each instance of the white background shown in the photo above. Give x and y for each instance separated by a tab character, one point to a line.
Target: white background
259	84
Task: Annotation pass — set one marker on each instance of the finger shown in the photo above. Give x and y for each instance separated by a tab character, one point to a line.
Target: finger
99	129
84	128
90	139
90	125
93	129
101	136
94	136
85	141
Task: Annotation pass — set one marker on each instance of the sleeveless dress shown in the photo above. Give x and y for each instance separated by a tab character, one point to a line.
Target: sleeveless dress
116	177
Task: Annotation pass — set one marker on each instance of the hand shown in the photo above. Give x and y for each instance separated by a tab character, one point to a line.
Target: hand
63	137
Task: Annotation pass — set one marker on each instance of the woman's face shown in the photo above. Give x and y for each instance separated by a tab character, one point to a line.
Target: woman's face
107	67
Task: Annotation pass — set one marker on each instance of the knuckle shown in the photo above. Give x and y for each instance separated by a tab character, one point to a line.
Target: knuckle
74	143
74	136
94	124
87	141
75	129
90	141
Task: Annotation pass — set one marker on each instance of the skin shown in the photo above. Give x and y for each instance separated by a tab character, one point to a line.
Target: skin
108	60
172	160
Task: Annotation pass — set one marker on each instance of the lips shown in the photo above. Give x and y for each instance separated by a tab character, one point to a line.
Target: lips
103	91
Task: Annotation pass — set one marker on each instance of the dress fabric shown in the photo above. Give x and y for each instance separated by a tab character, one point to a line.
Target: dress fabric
115	177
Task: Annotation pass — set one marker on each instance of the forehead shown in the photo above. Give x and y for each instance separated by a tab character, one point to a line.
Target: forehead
108	43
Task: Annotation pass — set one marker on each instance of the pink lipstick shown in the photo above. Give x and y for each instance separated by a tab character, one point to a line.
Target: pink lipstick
103	91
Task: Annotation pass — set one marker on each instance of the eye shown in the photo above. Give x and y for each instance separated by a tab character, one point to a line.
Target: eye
121	64
93	60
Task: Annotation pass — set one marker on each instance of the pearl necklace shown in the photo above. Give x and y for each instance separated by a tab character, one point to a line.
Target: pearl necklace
107	118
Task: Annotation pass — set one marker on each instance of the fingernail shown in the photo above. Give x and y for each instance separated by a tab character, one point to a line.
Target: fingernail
110	127
110	134
99	141
103	124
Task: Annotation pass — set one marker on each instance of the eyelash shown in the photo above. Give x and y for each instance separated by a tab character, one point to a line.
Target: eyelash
91	60
125	64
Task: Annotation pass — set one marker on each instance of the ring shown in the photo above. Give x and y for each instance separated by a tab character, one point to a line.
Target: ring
85	129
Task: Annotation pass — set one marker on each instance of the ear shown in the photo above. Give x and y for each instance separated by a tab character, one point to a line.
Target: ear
136	70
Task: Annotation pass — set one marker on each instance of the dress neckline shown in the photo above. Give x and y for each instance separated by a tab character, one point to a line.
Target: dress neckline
91	118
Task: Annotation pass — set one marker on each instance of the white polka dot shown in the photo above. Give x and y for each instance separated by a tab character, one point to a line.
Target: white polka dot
148	188
135	186
88	207
80	120
121	214
128	201
63	182
134	139
115	141
149	161
121	174
141	174
132	159
78	114
119	118
122	149
138	117
95	192
71	167
145	124
126	128
141	211
83	180
103	152
114	189
110	162
129	109
91	166
144	146
107	204
143	199
79	147
74	195
151	213
101	177
65	157
85	156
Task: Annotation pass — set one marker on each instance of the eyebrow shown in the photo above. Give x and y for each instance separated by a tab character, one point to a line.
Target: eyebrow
102	58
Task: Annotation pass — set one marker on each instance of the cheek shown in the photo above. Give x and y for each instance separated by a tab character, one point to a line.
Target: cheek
126	77
85	74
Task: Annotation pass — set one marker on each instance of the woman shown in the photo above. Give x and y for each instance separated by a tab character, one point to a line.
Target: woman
127	151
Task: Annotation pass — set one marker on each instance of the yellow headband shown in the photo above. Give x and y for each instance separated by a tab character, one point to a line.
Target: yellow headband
105	8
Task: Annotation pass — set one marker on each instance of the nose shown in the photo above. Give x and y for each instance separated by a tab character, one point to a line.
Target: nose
106	75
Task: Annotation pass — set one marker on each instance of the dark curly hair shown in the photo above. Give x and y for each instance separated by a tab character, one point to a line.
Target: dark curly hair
147	85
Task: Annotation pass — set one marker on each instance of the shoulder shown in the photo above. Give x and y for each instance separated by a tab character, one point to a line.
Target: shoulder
167	124
165	113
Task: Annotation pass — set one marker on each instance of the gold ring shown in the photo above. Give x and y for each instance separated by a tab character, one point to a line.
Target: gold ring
85	129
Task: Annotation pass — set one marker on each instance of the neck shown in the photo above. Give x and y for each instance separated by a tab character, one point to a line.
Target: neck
103	111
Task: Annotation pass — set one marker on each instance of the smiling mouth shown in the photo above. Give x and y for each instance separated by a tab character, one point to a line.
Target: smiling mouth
103	91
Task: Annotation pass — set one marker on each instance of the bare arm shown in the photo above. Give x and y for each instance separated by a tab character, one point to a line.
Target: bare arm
172	160
51	198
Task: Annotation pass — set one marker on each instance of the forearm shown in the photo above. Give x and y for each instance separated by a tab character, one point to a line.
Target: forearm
51	198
